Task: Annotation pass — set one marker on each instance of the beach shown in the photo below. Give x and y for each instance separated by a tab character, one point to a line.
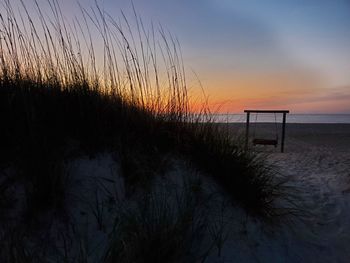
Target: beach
316	163
317	159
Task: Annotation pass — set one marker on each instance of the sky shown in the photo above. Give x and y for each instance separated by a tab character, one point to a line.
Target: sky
271	54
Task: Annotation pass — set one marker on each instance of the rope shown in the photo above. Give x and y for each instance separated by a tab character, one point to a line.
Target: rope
256	120
276	128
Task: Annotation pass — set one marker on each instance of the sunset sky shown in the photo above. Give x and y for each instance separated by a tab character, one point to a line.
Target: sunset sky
257	54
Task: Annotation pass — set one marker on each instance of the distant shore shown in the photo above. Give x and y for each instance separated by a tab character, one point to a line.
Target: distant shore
300	136
291	118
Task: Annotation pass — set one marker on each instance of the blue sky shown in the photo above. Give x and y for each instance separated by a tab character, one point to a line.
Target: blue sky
253	53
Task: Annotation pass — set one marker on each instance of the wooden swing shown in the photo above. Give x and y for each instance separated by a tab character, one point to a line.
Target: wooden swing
264	141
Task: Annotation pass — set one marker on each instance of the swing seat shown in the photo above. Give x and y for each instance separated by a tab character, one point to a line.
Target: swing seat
265	142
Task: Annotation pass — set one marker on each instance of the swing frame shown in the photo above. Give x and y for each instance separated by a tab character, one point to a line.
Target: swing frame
263	141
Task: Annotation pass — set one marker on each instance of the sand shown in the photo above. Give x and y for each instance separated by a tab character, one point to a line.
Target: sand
317	163
317	159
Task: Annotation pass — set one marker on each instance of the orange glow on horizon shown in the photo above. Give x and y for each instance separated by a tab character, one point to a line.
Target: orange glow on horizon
298	91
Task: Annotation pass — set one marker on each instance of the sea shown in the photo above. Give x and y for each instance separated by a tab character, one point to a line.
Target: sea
290	118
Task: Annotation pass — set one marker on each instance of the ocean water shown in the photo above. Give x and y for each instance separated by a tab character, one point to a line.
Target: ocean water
291	118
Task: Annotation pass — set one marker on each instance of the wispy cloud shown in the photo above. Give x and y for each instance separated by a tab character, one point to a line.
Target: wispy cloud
330	100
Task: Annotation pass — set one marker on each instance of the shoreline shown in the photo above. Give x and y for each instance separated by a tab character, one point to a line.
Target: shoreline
299	136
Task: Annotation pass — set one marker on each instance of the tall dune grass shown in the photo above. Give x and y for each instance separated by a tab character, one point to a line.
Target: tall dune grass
108	84
62	94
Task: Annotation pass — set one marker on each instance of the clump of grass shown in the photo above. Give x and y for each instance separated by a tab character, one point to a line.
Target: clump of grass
160	227
7	200
245	176
59	100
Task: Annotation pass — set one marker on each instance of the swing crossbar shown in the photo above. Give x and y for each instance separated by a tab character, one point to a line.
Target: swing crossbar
266	111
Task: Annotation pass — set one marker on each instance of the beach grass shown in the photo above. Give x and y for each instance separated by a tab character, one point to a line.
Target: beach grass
59	100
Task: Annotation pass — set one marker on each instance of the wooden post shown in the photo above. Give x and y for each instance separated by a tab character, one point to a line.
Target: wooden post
283	132
247	131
